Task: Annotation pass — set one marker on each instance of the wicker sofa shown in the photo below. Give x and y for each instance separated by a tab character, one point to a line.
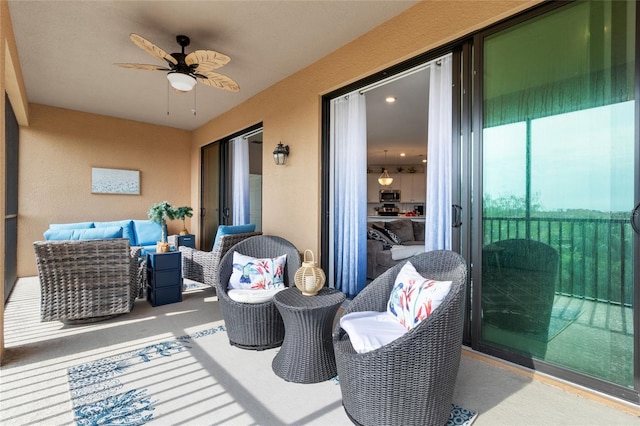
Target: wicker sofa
143	233
85	280
379	255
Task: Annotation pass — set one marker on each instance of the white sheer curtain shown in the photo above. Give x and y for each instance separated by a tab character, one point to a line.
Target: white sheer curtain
240	181
348	218
438	204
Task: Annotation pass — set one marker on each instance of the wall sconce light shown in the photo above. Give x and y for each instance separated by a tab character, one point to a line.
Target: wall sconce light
280	154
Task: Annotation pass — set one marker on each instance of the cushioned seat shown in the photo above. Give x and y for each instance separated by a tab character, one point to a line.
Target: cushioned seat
255	325
411	379
382	236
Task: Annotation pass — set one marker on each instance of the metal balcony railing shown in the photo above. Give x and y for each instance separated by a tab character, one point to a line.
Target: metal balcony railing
596	255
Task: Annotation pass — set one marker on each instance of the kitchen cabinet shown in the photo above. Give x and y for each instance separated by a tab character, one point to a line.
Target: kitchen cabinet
414	188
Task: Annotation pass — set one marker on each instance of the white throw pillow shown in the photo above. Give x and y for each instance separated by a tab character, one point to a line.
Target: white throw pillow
257	274
414	297
402	252
252	296
370	330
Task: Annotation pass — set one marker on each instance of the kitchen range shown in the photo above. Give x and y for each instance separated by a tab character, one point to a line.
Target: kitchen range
388	209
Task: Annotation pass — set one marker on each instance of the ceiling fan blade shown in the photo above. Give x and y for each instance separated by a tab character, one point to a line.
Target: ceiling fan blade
152	49
206	60
218	81
147	67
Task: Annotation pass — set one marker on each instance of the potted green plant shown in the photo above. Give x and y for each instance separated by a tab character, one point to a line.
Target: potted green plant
182	213
159	213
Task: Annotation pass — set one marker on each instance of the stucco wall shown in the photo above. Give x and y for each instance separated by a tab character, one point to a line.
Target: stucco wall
291	109
57	151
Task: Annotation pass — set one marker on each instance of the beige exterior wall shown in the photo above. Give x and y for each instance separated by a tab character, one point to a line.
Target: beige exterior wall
57	152
291	109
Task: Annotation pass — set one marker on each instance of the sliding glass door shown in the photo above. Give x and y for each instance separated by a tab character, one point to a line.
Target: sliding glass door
558	143
408	115
231	183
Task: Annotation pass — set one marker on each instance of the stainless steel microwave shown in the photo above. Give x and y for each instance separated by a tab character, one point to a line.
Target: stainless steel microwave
389	195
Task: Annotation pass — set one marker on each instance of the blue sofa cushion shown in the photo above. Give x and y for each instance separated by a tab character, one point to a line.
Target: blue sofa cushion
83	234
56	234
147	232
78	225
232	229
126	225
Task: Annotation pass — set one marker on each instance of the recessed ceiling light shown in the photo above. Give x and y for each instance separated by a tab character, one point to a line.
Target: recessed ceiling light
424	160
402	154
390	99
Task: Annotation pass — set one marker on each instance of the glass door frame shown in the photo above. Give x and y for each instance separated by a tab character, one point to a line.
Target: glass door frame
224	166
477	224
453	47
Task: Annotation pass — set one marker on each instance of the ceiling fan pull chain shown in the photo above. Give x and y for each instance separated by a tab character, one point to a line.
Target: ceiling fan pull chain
195	89
168	88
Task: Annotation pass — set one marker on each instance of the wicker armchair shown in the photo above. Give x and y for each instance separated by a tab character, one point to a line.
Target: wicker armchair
518	286
255	326
204	266
86	280
409	381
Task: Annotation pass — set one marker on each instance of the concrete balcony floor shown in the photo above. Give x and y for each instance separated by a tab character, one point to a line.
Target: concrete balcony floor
35	389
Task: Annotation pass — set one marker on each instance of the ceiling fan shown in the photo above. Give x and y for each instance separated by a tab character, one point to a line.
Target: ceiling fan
186	69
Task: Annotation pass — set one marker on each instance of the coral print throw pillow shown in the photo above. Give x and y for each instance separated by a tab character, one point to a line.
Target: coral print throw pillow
414	297
257	274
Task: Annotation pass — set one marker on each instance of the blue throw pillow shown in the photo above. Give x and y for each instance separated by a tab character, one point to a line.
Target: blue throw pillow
97	233
232	229
78	225
126	225
58	234
83	234
147	233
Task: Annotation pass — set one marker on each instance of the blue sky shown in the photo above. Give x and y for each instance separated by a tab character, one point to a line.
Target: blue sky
580	160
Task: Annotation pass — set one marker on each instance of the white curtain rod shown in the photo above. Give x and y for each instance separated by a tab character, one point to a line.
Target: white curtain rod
255	132
399	76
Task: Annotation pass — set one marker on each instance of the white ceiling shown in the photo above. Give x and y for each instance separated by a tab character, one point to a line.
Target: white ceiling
67	49
399	127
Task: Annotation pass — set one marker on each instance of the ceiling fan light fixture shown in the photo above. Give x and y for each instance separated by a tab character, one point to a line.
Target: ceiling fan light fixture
181	81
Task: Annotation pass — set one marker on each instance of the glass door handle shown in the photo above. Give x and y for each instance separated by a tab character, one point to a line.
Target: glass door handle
635	218
456	216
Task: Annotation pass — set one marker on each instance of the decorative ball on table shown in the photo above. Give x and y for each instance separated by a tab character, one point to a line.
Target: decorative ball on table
309	278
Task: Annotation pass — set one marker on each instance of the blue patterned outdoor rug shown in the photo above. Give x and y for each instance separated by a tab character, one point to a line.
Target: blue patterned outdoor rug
461	416
199	379
98	395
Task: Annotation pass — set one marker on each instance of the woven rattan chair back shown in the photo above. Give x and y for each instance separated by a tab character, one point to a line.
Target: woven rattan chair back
409	381
255	326
87	279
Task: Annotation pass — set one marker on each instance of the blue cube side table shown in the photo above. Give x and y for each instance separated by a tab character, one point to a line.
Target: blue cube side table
188	240
164	278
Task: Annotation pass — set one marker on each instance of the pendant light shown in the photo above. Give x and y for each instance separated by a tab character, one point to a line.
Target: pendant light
385	179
